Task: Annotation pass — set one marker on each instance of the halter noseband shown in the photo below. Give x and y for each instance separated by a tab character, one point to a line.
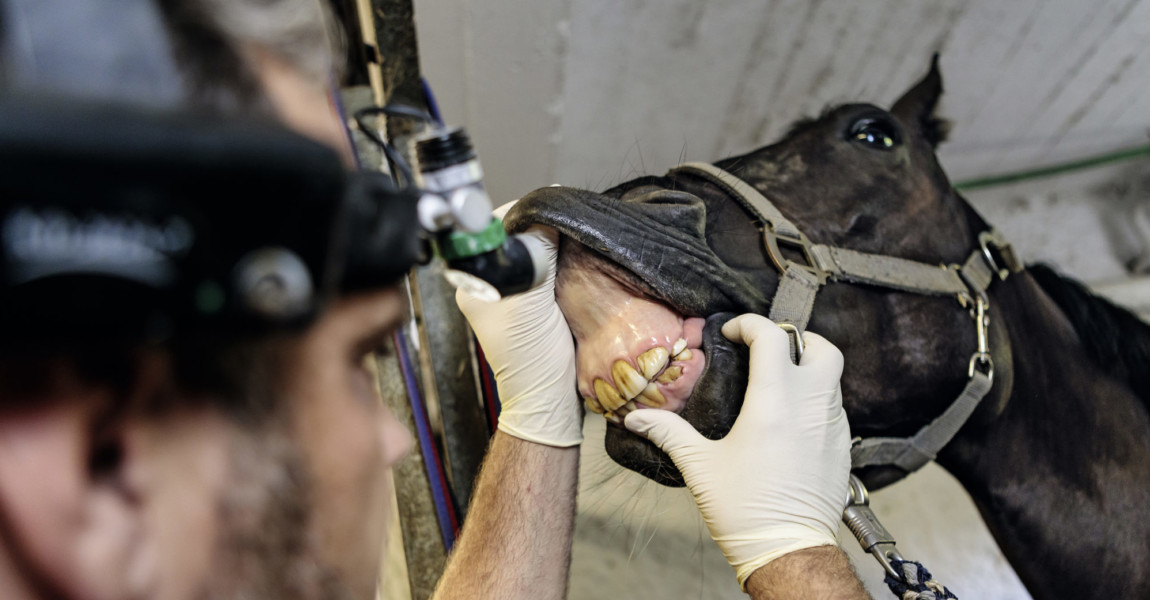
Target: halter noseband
799	283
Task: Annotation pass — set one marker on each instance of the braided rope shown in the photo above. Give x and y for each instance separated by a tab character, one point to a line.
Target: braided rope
917	583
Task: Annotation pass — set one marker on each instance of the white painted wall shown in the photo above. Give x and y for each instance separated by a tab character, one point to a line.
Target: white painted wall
589	93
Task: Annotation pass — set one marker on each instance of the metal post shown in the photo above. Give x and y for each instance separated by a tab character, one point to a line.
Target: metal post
441	342
444	338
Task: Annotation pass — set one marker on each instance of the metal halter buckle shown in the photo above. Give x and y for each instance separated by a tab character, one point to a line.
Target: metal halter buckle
773	239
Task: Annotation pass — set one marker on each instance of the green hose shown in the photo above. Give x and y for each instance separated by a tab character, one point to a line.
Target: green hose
1058	169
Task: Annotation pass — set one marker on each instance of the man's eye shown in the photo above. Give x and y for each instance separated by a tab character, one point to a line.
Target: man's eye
876	134
381	346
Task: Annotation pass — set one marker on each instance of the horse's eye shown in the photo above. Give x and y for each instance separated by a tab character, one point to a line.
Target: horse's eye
876	134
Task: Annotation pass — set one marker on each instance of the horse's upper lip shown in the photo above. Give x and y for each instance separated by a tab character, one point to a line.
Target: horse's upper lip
659	236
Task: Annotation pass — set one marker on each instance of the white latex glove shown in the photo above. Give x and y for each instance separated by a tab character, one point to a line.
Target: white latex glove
776	482
532	353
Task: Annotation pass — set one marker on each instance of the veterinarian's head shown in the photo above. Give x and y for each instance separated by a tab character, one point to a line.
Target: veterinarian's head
145	452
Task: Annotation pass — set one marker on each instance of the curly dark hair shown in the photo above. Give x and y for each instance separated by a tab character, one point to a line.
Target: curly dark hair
211	38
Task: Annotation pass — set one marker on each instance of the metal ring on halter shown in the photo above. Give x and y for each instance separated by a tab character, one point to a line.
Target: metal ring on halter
772	241
984	240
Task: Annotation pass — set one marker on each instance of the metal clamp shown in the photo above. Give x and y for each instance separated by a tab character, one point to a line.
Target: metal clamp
796	340
867	529
772	240
982	325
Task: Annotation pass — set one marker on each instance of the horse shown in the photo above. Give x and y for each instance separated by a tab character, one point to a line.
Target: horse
1056	456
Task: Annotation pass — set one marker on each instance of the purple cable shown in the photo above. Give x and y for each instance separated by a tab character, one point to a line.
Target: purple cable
337	105
444	506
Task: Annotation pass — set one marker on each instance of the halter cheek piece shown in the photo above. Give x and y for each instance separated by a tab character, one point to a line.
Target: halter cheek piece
795	297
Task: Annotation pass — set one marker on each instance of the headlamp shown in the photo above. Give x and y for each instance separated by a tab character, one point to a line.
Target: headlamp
116	221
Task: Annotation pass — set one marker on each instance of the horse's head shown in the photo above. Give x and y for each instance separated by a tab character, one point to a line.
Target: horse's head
660	259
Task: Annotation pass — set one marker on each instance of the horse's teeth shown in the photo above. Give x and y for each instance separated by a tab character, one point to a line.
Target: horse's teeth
671	374
680	344
651	396
652	361
627	379
609	399
684	355
626	409
593	404
612	417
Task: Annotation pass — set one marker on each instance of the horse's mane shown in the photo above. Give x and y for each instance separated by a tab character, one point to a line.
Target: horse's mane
1114	338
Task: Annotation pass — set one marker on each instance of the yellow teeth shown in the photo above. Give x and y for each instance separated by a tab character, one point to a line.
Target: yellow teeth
653	361
615	401
671	374
627	379
651	396
609	399
626	409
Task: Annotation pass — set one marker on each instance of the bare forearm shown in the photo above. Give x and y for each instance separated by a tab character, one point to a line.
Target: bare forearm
823	572
516	542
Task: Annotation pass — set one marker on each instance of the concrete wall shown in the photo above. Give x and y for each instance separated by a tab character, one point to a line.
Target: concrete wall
589	92
636	539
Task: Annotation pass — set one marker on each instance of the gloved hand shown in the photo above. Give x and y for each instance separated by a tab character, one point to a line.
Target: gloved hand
532	353
777	482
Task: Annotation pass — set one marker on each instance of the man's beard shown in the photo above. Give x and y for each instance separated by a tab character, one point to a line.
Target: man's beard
263	547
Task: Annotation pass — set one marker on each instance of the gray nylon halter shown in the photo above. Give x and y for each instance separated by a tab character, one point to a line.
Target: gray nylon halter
799	283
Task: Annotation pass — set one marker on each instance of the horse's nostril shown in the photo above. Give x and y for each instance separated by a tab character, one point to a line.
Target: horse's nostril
862	224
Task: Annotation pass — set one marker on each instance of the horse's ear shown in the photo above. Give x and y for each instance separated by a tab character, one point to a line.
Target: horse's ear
916	107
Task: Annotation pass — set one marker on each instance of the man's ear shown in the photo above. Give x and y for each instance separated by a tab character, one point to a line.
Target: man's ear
72	520
917	105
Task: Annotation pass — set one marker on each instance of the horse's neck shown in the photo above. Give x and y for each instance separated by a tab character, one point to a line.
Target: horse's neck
1062	475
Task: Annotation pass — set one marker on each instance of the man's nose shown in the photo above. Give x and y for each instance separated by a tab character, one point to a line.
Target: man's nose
396	438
